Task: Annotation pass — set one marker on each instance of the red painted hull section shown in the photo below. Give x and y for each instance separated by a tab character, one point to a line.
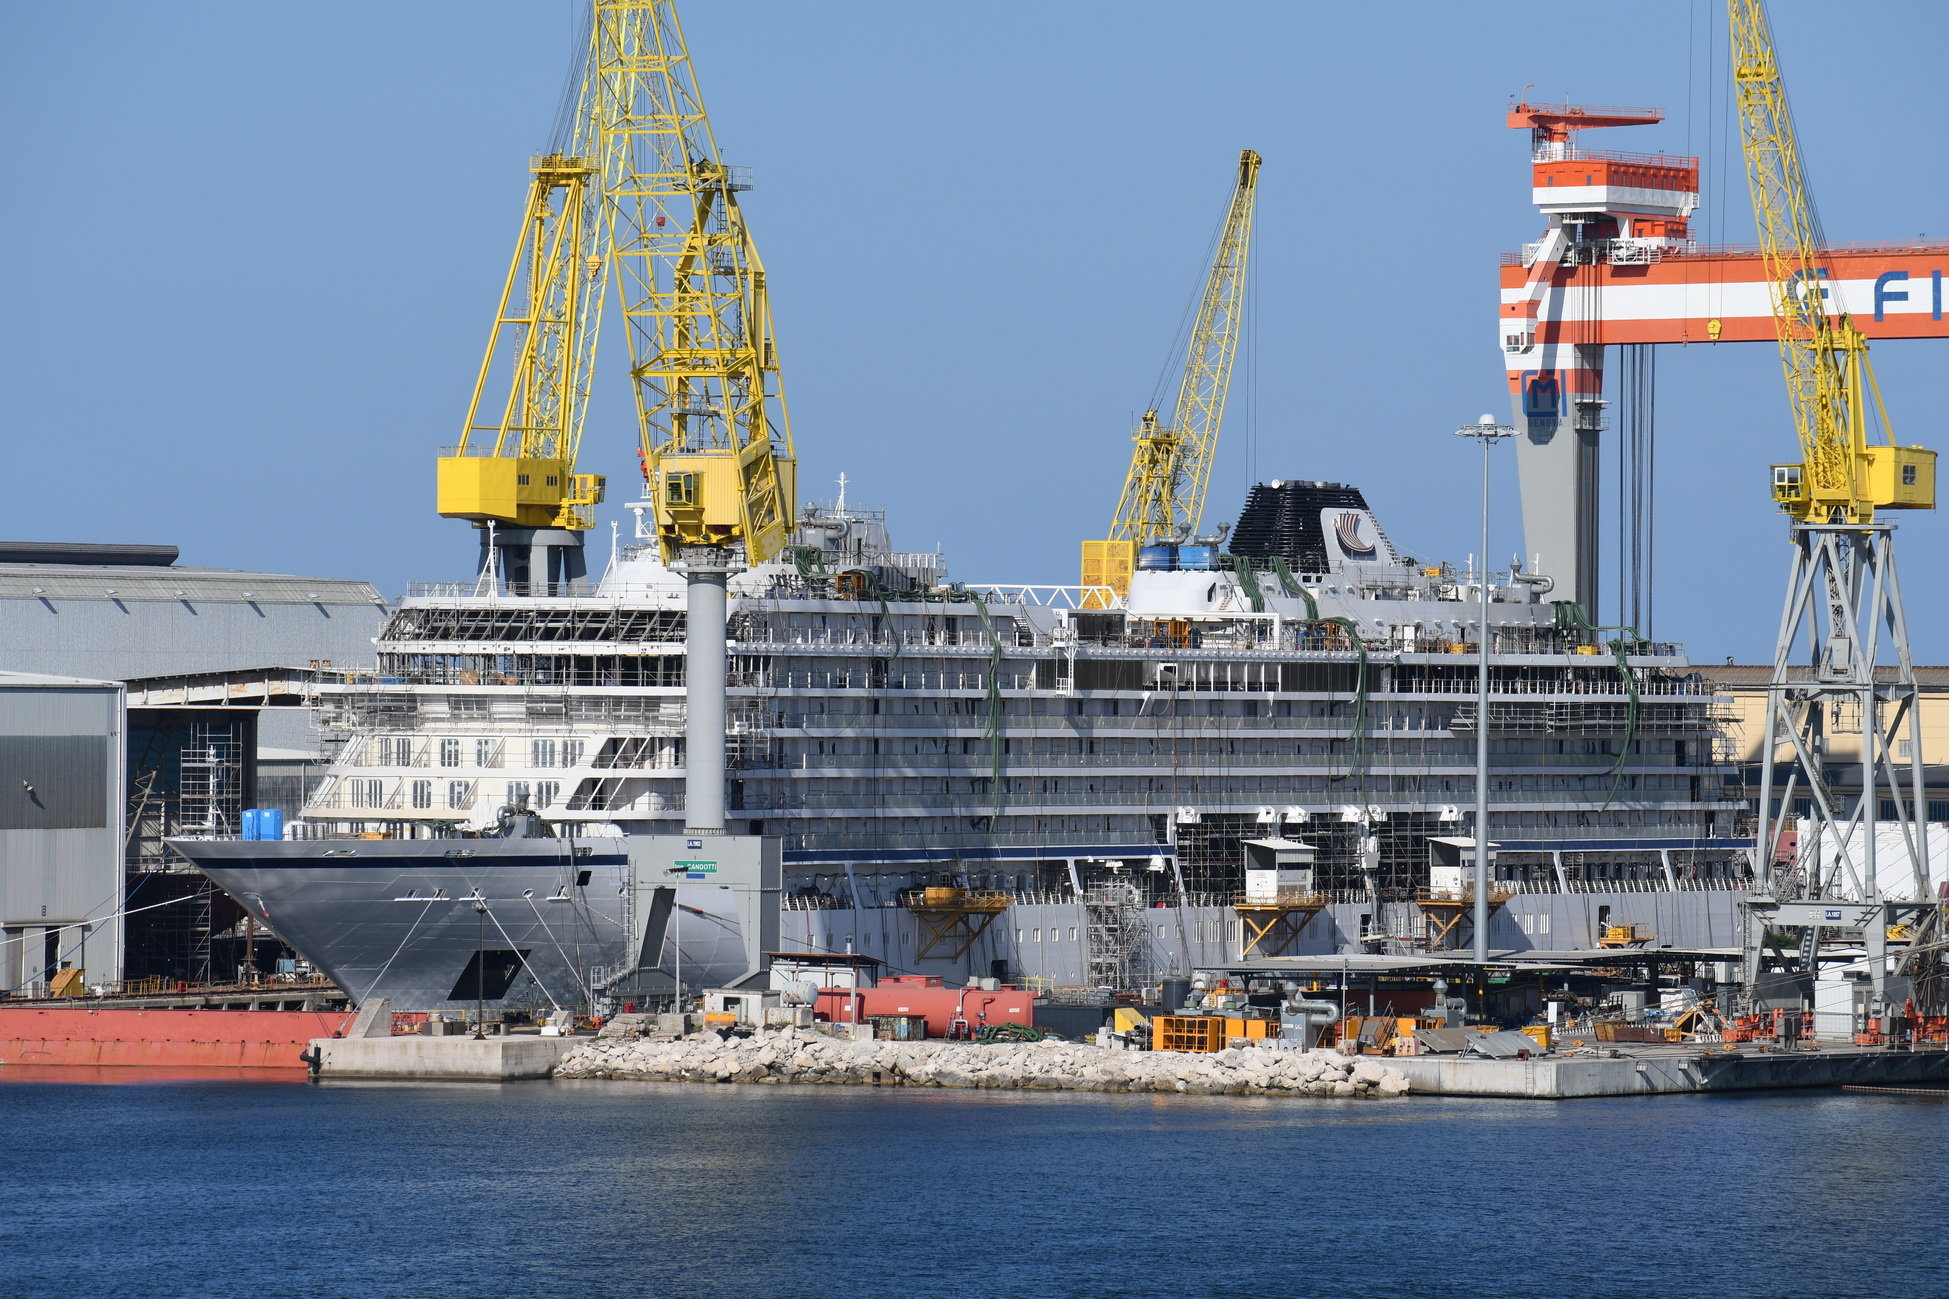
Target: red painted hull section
161	1041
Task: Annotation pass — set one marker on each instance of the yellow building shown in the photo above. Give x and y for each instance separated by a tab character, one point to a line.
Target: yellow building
1745	685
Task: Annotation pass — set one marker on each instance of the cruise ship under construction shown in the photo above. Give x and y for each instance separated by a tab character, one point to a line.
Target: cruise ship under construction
1253	743
1087	780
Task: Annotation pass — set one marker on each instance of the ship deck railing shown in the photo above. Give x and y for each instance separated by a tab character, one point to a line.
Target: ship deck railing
1405	682
871	802
1657	884
1161	764
1652	719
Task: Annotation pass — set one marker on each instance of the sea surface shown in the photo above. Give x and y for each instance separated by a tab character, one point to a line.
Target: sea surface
292	1190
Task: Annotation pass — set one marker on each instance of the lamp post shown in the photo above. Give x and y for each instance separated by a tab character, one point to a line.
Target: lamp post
480	966
1488	433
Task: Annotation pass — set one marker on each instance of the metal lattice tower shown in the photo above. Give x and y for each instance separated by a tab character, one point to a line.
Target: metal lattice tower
1117	938
1843	612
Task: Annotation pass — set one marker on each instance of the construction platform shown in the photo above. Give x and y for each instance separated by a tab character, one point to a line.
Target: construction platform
1650	1070
448	1059
369	1050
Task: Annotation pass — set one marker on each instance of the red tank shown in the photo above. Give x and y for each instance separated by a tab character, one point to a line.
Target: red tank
925	994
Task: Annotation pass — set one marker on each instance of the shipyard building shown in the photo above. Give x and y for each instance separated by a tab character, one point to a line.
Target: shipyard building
61	797
194	680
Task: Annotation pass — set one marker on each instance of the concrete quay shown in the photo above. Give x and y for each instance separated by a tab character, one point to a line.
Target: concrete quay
1657	1071
453	1059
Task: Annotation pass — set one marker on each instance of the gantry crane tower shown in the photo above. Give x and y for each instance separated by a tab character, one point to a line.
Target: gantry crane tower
1170	465
716	447
638	196
1843	597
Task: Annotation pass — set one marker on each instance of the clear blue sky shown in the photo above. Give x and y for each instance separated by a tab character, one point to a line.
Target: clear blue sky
253	250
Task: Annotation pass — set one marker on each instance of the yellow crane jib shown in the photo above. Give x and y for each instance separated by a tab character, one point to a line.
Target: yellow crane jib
515	463
1841	477
1164	489
713	433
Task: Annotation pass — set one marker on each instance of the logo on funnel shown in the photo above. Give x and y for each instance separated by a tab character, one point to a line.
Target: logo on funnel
1347	529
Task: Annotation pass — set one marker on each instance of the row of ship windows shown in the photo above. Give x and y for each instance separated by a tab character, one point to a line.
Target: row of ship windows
409	751
1201	932
377	792
458	795
1211	746
1215	931
865	788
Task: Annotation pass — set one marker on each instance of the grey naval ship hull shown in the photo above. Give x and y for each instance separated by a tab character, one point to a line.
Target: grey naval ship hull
437	925
398	919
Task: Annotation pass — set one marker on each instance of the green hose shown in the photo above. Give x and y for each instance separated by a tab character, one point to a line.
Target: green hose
1357	735
1569	615
997	714
1248	581
1291	586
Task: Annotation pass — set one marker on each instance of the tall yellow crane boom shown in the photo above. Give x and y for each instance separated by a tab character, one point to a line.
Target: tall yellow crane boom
715	441
515	463
1840	477
1170	465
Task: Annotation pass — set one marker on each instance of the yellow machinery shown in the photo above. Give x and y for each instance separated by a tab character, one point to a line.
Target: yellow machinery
515	463
1170	467
1840	478
1843	619
514	468
715	442
639	196
1625	936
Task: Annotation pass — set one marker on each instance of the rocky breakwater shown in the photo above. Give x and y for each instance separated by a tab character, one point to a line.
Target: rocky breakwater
799	1055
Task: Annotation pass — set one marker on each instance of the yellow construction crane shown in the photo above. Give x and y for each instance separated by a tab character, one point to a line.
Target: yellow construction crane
1842	665
1840	477
640	195
514	472
714	439
1170	466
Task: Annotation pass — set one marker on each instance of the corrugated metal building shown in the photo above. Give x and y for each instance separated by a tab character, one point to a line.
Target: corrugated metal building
115	613
122	614
61	810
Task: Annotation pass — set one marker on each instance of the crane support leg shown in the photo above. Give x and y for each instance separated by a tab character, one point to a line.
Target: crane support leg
1559	414
536	561
1843	613
706	570
1843	599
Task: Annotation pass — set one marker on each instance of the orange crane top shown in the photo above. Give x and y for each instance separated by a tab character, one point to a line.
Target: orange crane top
1553	123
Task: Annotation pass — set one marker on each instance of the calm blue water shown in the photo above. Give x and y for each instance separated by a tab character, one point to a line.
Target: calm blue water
598	1189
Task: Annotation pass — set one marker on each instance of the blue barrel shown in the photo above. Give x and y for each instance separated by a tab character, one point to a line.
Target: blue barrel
1157	559
1197	558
